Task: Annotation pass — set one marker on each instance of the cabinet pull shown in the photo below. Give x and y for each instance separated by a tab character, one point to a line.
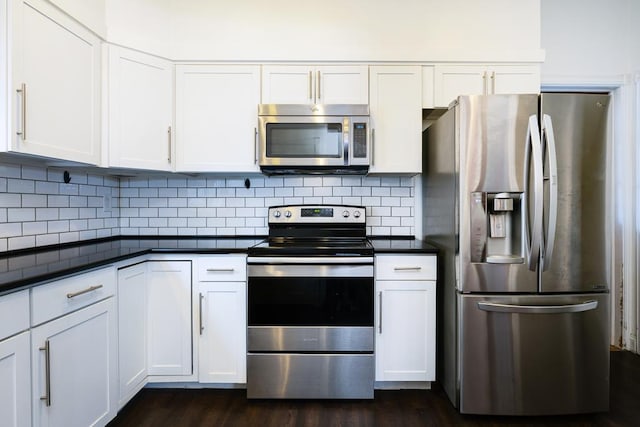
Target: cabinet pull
47	373
318	86
407	268
23	112
380	312
84	291
493	82
255	146
200	309
169	138
311	85
220	270
484	83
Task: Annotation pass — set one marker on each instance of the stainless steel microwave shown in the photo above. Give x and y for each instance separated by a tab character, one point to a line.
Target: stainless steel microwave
314	138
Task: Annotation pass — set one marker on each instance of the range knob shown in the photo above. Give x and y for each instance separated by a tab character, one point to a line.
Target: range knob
277	214
287	214
356	214
345	214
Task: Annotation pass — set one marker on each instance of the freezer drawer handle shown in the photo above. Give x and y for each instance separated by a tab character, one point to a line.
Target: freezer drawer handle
538	309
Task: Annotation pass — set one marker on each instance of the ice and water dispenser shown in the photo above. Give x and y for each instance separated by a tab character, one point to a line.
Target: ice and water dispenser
496	228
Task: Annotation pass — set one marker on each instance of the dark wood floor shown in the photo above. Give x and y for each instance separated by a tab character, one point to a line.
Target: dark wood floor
186	407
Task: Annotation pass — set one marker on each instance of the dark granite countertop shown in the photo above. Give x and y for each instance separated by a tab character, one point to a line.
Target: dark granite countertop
386	245
21	269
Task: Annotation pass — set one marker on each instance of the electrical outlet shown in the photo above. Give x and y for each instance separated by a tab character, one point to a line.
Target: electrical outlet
106	203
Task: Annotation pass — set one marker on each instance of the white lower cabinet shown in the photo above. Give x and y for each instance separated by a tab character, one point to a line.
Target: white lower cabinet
405	318
169	349
15	380
132	331
74	381
222	292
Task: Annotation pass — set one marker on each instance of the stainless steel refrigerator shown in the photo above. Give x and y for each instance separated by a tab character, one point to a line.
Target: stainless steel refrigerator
517	194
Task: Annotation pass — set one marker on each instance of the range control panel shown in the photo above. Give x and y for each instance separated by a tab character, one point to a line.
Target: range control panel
309	214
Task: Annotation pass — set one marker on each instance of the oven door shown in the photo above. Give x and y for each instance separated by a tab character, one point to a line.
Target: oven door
310	304
310	328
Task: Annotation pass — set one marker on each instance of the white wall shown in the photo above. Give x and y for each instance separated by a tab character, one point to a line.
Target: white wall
334	30
589	40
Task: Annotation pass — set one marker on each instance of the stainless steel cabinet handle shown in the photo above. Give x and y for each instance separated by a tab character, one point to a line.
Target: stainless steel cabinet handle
169	138
220	270
550	148
538	309
311	85
23	112
201	322
493	82
407	268
318	86
84	291
255	146
484	83
47	373
380	312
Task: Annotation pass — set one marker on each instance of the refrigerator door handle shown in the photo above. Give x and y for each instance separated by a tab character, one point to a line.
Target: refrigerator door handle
533	154
538	309
550	147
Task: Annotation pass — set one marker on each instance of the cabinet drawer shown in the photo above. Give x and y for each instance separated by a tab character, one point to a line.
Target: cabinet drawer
66	295
406	267
14	313
222	268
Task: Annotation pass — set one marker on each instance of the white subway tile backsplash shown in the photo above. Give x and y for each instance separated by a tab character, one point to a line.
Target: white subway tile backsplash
8	200
38	208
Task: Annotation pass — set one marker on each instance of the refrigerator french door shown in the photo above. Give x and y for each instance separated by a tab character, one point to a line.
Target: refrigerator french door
525	318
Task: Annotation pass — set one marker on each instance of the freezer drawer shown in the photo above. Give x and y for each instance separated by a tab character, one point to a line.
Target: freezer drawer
534	355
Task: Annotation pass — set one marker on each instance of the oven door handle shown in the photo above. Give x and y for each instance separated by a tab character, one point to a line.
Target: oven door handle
311	260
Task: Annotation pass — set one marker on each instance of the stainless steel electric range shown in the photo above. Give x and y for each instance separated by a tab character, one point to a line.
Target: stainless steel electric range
311	305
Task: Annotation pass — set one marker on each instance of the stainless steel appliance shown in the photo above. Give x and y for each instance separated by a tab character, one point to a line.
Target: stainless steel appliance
517	194
313	138
310	306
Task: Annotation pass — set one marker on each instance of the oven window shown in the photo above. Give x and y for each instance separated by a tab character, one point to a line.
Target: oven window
310	301
304	140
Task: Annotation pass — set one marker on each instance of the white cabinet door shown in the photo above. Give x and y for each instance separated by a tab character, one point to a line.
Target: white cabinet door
56	84
405	330
302	84
396	119
223	328
452	81
169	318
132	331
15	380
140	105
342	84
516	79
217	118
74	374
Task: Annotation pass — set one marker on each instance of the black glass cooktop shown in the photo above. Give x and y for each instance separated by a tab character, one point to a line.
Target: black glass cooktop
312	247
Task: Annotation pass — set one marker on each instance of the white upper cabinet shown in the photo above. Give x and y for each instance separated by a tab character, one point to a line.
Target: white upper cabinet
217	118
55	86
396	119
302	84
452	81
140	110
